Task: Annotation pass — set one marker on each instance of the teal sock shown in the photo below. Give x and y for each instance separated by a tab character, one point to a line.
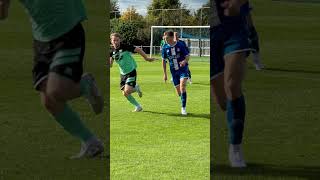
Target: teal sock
71	122
132	100
84	87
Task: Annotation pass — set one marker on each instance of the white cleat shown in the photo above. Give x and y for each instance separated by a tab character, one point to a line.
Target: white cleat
94	98
184	111
236	156
90	149
138	90
137	109
190	81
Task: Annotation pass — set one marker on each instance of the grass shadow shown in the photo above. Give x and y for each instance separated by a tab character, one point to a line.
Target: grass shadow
269	170
190	115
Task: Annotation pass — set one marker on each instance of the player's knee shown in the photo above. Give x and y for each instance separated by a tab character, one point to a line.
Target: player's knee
55	94
126	93
49	103
232	88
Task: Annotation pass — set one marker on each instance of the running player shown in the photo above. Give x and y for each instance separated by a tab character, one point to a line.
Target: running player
178	57
121	53
253	36
229	47
59	46
176	38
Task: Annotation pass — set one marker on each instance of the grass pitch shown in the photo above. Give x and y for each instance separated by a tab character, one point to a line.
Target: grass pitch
281	139
33	146
159	143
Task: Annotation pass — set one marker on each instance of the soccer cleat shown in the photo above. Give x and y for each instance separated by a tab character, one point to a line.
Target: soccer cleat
236	157
190	81
137	109
138	90
90	149
94	98
184	111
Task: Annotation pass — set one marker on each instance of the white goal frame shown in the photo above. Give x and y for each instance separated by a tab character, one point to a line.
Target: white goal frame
168	27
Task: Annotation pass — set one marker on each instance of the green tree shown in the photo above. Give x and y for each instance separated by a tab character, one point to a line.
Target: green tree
202	15
128	31
160	12
115	9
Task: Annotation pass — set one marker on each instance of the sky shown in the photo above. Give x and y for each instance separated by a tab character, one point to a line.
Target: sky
141	5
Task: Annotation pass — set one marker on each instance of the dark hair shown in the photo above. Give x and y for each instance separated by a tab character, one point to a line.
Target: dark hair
170	33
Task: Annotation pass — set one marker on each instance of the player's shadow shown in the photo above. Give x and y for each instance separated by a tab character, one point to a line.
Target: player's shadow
190	115
292	71
307	172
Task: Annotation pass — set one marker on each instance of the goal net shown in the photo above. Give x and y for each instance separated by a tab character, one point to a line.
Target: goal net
197	38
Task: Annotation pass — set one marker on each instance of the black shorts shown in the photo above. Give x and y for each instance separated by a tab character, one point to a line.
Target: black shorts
129	79
63	56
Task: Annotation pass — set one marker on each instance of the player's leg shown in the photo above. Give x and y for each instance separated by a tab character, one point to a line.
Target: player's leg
129	82
217	67
233	78
183	92
190	80
57	75
218	91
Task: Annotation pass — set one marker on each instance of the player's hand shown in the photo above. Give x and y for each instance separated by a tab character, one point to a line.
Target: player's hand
165	78
183	63
231	7
150	59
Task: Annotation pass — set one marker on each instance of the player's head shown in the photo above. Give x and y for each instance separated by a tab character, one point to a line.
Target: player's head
115	39
176	36
170	37
164	35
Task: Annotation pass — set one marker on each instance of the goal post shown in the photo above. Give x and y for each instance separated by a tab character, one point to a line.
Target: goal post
197	38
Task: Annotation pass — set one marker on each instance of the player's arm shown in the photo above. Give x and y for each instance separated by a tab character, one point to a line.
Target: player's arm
164	67
111	61
143	54
4	9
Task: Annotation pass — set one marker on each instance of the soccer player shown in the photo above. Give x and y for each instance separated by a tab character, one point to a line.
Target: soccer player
121	53
59	46
163	41
229	47
253	36
176	38
178	57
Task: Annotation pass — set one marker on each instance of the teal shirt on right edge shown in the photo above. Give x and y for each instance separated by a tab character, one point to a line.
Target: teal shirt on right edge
51	19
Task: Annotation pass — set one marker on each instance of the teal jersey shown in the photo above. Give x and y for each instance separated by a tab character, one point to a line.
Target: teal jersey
122	56
52	18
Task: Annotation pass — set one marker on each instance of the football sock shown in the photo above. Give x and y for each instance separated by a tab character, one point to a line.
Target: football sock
183	98
84	87
235	117
132	100
71	122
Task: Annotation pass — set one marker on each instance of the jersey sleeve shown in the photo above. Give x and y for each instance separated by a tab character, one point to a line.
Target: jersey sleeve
129	47
111	52
163	53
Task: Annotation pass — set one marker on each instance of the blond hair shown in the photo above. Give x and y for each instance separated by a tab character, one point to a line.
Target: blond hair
115	35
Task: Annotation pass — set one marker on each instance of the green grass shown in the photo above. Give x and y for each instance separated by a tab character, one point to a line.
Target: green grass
159	143
282	125
33	146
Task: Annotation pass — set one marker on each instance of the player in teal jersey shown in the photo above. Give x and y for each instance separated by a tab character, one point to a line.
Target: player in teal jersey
121	54
59	46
